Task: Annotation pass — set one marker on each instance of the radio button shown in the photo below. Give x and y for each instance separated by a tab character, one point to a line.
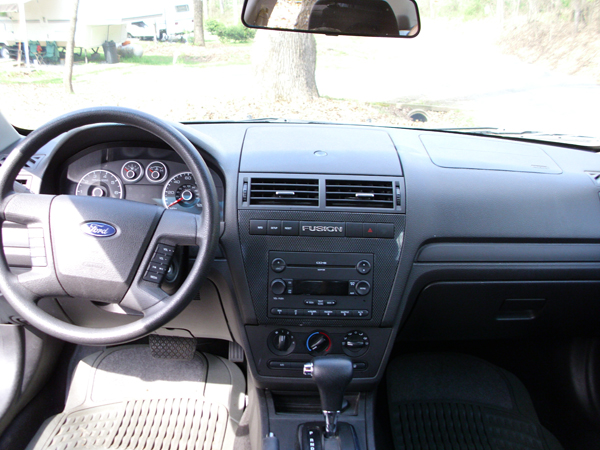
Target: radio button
277	311
363	287
328	312
354	229
258	227
345	313
278	265
310	302
330	303
274	227
360	313
312	312
363	267
289	228
385	230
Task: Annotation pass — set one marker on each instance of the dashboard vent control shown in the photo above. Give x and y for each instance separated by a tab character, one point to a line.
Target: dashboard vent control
284	191
360	194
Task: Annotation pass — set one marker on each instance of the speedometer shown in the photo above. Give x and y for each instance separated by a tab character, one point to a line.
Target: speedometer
100	183
181	192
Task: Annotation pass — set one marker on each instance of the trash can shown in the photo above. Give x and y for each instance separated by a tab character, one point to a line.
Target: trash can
110	52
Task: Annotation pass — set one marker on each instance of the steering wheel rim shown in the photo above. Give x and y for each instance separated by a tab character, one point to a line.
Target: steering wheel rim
164	226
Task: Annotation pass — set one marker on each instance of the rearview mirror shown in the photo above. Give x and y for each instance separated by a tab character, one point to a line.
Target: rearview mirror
381	18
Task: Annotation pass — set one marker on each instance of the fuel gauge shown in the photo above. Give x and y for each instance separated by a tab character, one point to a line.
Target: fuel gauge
132	171
156	172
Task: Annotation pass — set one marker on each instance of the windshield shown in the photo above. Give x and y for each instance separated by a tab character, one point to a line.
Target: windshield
508	64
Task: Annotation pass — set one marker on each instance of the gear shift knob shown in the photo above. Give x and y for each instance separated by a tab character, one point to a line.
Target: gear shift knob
332	374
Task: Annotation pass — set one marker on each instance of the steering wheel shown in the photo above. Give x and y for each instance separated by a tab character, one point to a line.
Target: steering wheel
101	248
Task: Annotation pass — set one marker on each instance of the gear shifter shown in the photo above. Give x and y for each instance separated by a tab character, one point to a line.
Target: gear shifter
332	374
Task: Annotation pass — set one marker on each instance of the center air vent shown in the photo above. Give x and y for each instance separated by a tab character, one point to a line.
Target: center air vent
359	194
284	192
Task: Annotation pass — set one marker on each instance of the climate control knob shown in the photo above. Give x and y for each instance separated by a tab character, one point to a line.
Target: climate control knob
281	342
355	343
318	343
278	286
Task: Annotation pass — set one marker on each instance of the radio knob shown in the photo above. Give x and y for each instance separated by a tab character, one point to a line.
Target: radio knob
278	286
363	287
278	265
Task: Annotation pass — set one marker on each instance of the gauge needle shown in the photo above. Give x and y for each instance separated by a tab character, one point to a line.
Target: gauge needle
175	202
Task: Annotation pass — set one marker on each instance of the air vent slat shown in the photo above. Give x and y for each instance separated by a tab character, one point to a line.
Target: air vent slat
29	164
359	194
284	192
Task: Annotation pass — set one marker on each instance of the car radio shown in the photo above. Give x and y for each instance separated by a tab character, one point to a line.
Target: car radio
320	285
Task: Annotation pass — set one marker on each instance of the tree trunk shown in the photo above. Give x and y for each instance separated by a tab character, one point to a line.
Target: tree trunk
531	9
500	13
304	16
198	23
284	65
68	77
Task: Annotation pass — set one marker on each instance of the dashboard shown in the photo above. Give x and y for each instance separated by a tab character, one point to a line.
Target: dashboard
349	239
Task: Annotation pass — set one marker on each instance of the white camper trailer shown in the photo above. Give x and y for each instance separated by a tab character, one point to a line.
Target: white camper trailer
160	18
49	21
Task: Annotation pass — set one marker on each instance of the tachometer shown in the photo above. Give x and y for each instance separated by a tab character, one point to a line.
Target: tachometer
181	192
100	183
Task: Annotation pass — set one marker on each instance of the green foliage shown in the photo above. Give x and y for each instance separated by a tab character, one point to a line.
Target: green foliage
229	33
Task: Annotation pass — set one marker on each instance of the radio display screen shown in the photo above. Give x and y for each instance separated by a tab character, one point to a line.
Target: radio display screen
320	287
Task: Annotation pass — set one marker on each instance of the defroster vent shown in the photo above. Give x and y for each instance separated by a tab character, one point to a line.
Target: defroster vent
359	194
284	191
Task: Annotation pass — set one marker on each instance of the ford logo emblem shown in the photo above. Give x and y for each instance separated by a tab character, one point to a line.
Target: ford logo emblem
98	229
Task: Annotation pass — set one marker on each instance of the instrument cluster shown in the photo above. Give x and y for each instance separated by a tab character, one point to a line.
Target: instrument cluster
148	175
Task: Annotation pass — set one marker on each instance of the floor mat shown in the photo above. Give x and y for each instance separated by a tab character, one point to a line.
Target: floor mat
125	399
457	402
141	424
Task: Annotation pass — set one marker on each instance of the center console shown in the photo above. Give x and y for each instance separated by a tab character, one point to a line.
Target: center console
321	244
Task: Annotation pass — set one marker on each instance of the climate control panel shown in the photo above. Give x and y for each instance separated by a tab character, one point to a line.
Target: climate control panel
289	347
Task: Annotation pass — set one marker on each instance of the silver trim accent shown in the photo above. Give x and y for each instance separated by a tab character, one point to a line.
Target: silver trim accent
331	421
364	195
290	193
308	369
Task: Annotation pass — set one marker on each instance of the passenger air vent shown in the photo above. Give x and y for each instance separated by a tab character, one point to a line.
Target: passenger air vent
284	192
359	194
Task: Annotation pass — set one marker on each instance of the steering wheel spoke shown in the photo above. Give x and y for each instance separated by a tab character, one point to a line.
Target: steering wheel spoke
174	228
34	212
